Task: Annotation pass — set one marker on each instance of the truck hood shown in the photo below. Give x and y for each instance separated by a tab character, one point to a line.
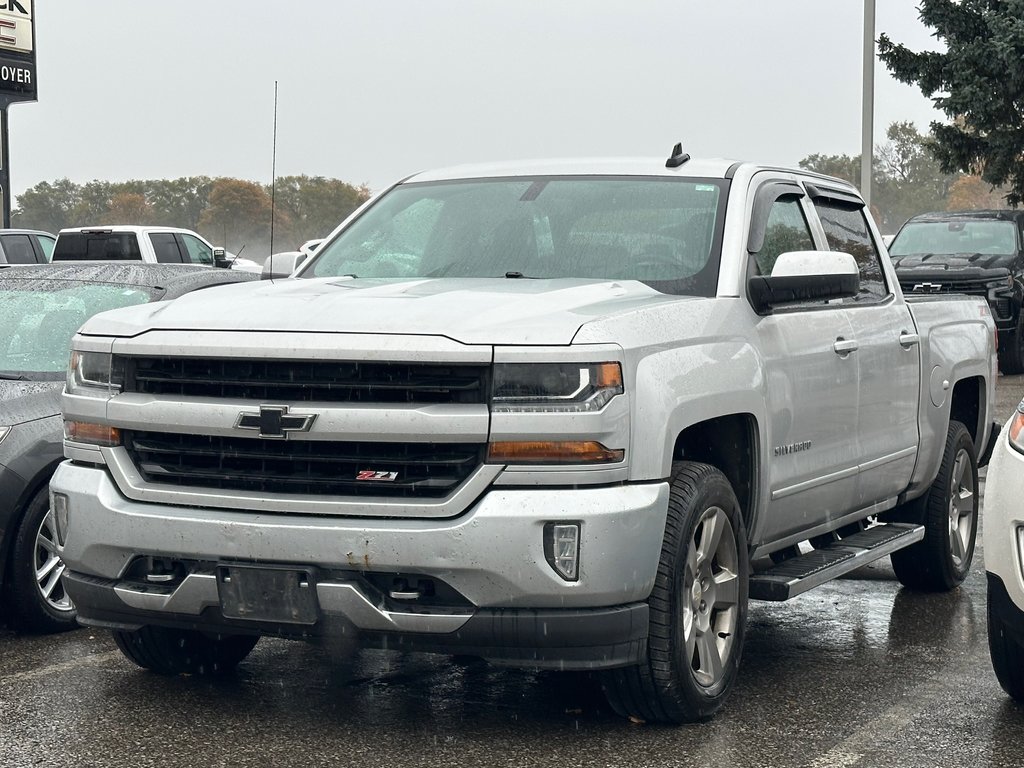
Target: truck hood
953	262
468	310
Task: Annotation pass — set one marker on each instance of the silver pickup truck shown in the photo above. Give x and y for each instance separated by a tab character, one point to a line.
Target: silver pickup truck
563	414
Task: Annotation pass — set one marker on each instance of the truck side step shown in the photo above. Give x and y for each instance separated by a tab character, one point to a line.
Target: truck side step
799	574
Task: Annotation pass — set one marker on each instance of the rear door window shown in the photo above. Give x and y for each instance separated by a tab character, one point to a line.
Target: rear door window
847	230
46	244
165	246
18	249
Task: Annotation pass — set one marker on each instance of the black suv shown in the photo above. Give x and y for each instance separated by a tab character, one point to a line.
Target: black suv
974	252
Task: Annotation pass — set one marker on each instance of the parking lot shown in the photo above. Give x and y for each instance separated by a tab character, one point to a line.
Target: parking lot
855	673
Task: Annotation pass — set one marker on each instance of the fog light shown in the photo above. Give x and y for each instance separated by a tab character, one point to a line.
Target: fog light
59	507
562	549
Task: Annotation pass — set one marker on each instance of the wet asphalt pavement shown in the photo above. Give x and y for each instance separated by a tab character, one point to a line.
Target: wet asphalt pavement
855	673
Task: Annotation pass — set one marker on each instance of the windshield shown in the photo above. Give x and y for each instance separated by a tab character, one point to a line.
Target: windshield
662	231
39	317
996	238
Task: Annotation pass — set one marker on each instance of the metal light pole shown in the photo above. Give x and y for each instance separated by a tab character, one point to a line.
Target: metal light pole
868	102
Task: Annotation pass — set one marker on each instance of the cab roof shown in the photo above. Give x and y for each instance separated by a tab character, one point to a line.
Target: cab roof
625	166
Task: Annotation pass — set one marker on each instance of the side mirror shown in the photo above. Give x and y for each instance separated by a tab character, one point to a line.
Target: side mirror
220	258
281	265
805	276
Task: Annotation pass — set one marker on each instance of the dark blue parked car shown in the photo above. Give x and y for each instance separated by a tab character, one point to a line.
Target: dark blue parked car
41	308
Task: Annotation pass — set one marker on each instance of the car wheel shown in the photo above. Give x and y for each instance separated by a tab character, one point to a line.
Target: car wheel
942	559
1011	349
168	651
1005	649
38	599
697	609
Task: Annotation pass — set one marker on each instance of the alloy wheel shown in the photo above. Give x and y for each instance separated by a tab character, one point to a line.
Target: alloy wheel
49	567
961	508
710	597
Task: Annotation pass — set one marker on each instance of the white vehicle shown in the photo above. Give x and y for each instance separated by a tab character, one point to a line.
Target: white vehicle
543	413
1004	555
153	245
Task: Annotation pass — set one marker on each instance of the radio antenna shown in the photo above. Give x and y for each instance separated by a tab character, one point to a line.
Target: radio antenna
273	175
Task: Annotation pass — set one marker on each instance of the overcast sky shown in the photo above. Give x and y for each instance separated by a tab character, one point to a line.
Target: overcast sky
373	90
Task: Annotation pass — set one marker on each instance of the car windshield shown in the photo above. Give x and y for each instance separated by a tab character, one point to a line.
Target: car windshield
40	316
662	231
996	238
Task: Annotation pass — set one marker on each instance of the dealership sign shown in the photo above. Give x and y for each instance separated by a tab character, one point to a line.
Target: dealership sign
17	51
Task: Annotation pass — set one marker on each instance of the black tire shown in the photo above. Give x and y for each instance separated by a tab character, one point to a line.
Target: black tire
169	651
1006	652
39	607
941	560
1011	349
672	685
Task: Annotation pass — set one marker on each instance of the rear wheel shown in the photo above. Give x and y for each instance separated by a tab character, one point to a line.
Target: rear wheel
37	595
942	559
169	651
698	606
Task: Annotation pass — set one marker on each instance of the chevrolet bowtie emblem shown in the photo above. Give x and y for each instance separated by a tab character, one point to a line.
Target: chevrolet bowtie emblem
274	421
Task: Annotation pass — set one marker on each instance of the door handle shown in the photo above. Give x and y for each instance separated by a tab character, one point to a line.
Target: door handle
844	347
908	340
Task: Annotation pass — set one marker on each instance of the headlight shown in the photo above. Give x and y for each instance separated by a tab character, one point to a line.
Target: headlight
94	373
3	433
1016	431
555	387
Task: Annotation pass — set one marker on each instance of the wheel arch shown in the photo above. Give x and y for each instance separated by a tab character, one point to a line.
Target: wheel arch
968	405
38	481
731	443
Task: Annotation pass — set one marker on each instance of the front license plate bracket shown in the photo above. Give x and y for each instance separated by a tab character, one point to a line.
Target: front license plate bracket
283	595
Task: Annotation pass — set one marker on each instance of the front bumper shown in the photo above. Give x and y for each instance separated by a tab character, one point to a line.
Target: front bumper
515	607
1010	616
581	638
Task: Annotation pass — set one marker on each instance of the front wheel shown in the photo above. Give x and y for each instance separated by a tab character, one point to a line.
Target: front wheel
697	609
169	651
941	560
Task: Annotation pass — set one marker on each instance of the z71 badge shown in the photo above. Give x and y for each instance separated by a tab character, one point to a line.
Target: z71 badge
370	474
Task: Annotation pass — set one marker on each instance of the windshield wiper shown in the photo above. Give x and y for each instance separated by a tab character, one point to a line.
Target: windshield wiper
11	376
